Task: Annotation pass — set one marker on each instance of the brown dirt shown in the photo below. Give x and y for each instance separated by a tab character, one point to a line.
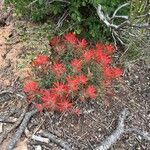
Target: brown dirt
10	58
97	121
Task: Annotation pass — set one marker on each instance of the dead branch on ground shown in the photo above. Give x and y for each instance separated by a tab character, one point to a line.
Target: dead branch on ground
110	140
5	133
120	130
20	130
54	139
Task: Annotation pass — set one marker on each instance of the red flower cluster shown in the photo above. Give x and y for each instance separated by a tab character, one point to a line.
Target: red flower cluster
40	60
58	69
73	78
76	65
30	87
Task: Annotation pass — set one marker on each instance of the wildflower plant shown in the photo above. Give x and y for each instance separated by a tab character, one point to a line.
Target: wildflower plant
73	72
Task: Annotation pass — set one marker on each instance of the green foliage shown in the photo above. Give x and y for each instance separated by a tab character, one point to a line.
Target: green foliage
82	18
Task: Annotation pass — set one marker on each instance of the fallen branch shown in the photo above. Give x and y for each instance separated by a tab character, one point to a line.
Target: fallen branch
9	120
110	140
54	139
120	130
5	133
40	139
5	115
20	130
6	92
144	134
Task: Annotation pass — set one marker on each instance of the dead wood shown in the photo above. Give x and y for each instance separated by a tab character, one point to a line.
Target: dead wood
110	140
54	139
5	133
20	130
120	130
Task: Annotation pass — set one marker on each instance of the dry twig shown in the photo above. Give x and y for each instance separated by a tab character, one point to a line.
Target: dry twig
54	139
120	130
110	140
5	133
20	130
144	134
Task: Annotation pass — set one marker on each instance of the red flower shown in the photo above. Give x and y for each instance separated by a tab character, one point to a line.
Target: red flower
98	55
116	72
105	60
40	60
77	111
102	58
111	73
65	106
60	88
82	43
49	99
76	65
109	48
58	69
91	91
71	38
39	107
88	55
107	72
100	47
30	87
72	83
47	96
82	79
54	41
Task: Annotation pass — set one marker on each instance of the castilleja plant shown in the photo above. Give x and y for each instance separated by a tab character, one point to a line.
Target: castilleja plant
73	72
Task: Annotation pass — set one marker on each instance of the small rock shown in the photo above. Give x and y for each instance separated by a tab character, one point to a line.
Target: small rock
140	138
38	147
1	127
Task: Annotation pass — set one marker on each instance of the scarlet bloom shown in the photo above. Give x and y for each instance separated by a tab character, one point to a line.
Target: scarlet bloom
40	60
98	55
82	79
30	87
54	41
109	48
107	71
47	96
99	47
50	101
39	107
58	69
72	83
117	72
76	65
88	55
71	38
59	88
105	60
91	91
82	43
77	111
112	72
66	105
102	58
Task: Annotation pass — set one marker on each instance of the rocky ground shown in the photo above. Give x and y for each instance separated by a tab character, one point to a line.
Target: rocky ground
98	118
